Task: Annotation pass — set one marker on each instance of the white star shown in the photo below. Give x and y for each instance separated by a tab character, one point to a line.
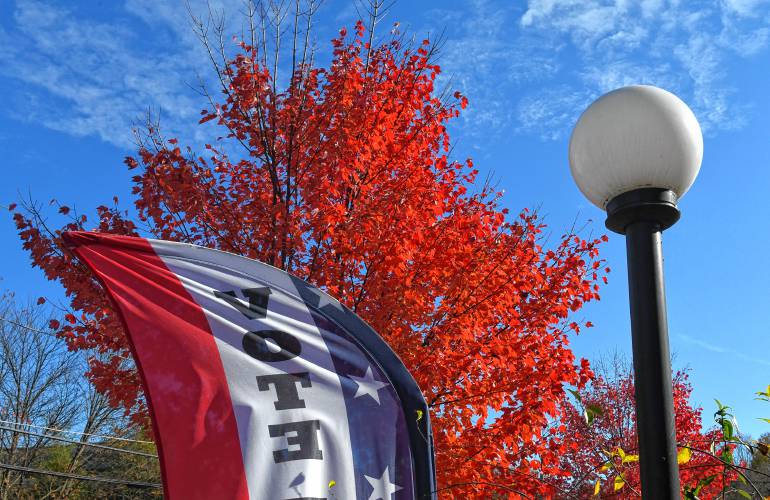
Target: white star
368	385
383	488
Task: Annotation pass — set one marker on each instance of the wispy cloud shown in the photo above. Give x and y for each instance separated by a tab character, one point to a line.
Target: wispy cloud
550	109
483	59
74	72
529	69
85	77
722	350
546	62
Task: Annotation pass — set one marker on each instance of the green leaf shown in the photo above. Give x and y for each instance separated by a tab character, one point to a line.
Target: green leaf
576	394
704	482
618	483
683	456
727	429
727	455
689	494
722	411
745	494
596	410
591	412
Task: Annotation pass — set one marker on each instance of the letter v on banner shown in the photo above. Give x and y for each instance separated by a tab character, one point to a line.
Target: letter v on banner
259	385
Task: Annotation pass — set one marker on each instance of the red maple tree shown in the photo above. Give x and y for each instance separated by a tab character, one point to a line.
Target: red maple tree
600	439
344	178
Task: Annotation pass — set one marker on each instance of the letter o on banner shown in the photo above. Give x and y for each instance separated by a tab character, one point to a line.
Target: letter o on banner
255	345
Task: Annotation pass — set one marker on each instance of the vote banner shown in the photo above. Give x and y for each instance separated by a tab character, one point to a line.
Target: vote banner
259	385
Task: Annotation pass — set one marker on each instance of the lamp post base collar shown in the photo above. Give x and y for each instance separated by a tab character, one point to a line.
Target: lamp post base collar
646	204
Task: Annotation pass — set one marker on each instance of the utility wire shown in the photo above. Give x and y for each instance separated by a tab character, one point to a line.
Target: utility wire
75	432
92	445
133	484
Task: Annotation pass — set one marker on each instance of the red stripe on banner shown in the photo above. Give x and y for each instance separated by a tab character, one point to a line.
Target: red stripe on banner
177	357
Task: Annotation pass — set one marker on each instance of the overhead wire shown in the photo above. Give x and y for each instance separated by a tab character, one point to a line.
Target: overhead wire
133	484
100	436
81	443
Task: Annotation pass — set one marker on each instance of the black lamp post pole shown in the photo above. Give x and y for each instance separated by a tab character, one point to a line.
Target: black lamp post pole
642	215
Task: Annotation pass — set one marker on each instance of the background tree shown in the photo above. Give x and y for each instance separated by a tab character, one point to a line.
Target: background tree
601	439
38	387
51	416
759	463
342	175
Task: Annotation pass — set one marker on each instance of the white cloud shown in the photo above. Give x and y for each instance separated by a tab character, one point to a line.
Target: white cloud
482	59
548	112
85	77
719	349
531	69
682	46
623	72
745	8
88	77
534	69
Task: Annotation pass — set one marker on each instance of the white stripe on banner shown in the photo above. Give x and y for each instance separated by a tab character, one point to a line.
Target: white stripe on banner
309	430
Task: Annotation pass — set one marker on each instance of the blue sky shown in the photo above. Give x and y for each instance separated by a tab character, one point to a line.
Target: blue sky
76	75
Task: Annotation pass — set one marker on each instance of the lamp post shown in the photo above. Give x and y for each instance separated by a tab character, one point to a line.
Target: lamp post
634	153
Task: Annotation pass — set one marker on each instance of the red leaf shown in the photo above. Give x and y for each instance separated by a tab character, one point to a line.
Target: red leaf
53	324
40	300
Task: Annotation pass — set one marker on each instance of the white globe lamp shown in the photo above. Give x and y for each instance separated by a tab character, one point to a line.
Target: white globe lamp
636	138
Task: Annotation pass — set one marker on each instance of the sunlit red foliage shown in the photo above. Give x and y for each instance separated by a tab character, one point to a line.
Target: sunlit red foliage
344	179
